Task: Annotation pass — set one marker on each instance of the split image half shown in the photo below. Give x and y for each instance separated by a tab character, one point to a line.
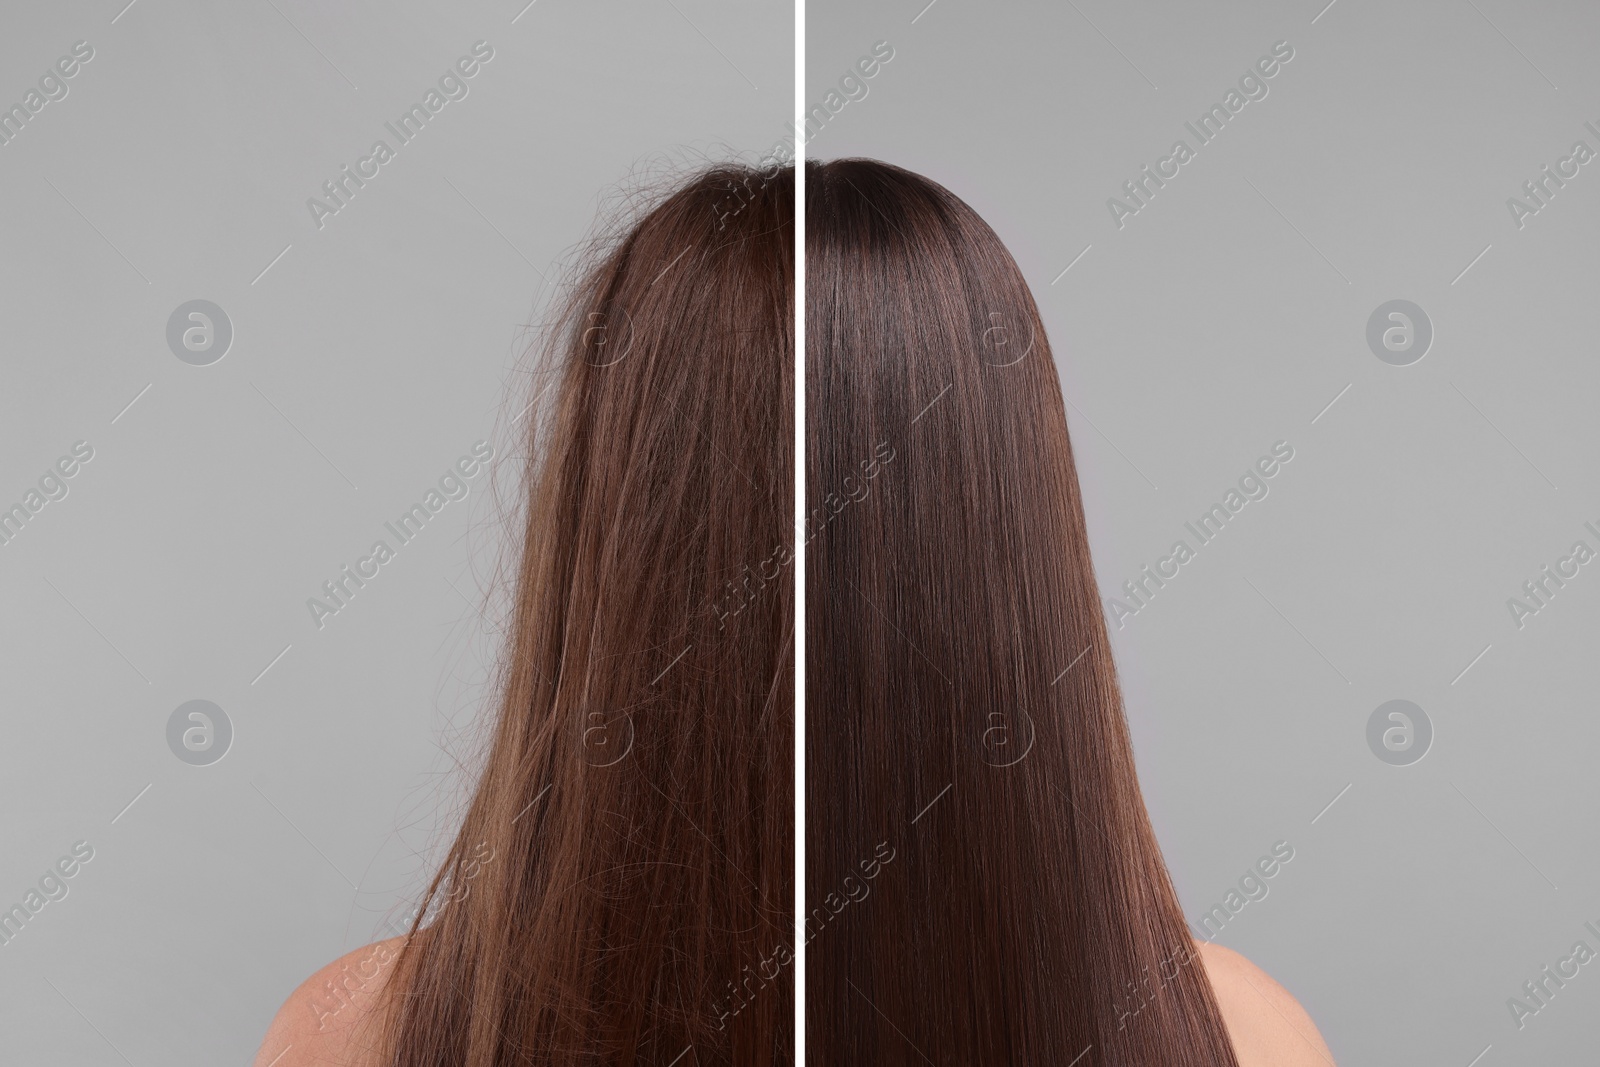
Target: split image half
685	533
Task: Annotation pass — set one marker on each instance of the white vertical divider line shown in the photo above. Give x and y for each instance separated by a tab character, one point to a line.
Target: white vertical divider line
799	571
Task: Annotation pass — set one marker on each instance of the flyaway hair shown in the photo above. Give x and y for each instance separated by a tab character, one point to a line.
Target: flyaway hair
621	888
963	716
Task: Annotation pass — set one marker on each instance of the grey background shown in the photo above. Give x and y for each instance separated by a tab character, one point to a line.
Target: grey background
365	360
1225	317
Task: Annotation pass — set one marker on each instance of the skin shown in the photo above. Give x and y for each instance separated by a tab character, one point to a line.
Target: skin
308	1032
1268	1027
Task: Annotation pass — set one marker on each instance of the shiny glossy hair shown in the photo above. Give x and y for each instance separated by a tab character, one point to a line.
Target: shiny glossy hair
622	882
983	883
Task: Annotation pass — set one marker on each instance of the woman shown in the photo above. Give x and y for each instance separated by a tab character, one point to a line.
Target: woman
623	878
983	885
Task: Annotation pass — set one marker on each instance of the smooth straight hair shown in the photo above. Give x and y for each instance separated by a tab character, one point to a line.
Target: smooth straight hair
983	883
621	888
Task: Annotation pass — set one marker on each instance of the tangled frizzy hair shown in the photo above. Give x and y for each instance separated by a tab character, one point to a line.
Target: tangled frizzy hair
637	797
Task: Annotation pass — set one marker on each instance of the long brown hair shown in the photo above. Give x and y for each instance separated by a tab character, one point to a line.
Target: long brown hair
983	884
623	878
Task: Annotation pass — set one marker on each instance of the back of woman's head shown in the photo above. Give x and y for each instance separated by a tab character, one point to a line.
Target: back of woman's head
983	885
623	875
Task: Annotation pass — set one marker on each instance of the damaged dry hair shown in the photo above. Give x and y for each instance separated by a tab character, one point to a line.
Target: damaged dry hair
638	793
962	706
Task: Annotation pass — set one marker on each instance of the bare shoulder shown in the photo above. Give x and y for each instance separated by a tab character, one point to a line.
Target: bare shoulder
324	1021
1269	1028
